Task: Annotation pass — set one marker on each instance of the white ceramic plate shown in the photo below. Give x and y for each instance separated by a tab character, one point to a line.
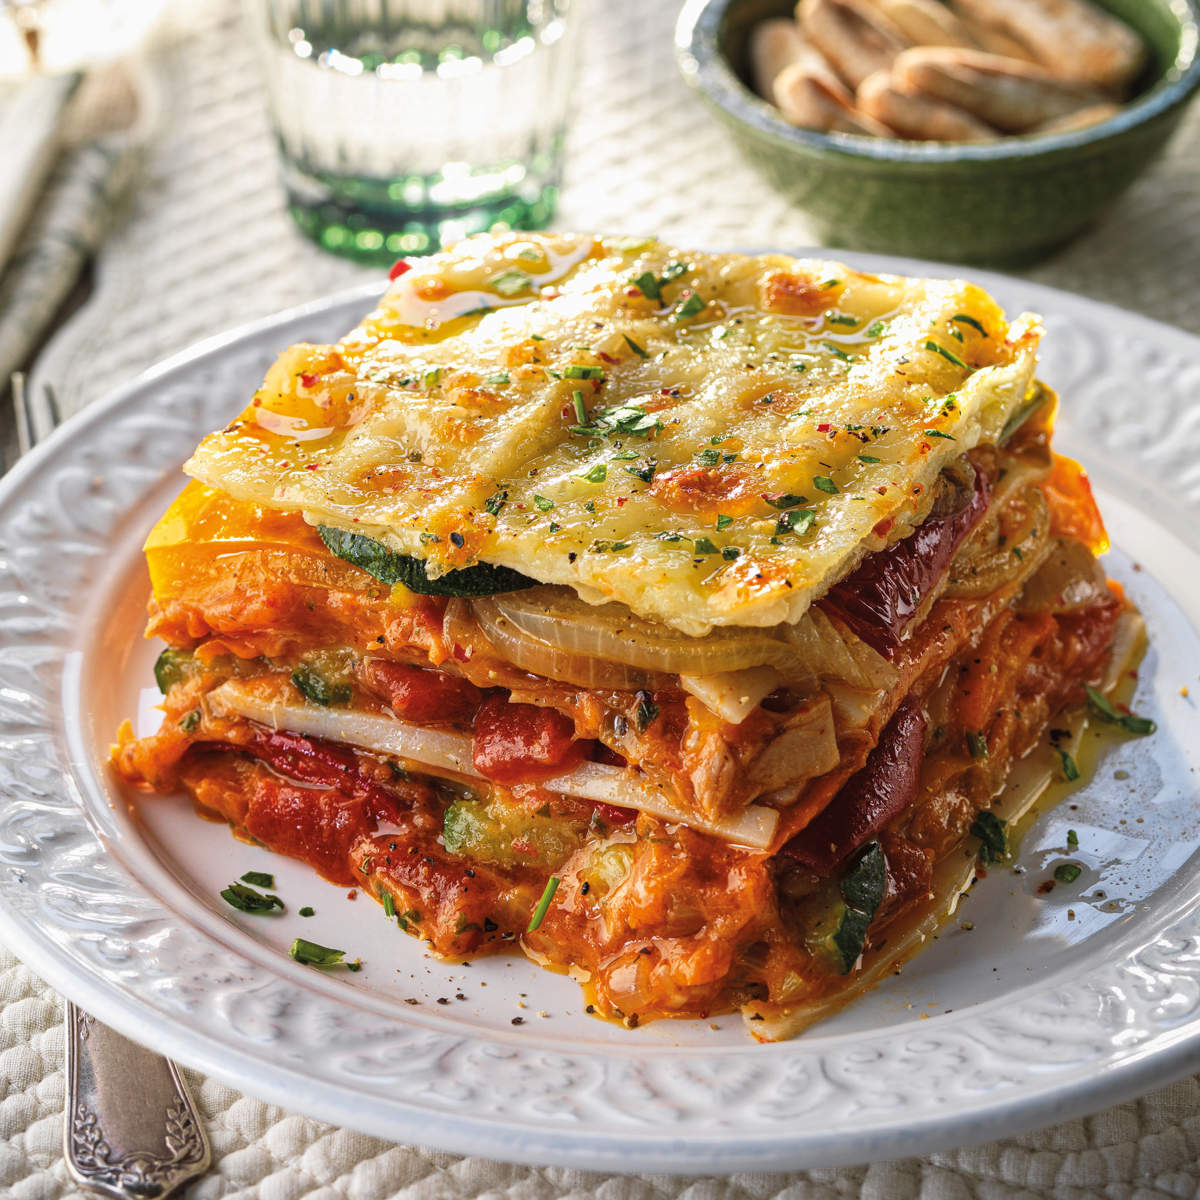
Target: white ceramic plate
1050	1006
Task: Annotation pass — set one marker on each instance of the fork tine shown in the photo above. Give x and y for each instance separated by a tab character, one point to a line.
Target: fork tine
22	414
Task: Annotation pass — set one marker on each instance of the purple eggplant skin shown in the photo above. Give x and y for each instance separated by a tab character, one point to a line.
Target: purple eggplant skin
869	799
879	599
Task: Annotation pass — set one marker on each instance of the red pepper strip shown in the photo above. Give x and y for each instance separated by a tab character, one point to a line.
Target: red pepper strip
421	696
522	743
868	800
310	760
399	267
881	597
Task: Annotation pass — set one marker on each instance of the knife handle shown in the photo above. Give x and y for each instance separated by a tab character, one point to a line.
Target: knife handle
131	1129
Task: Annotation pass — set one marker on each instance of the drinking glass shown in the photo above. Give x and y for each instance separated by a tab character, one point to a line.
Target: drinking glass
404	124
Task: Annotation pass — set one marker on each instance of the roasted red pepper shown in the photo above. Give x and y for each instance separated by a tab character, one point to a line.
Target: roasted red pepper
521	743
421	696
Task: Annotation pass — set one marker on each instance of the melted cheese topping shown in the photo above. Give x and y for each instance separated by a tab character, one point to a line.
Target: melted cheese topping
711	439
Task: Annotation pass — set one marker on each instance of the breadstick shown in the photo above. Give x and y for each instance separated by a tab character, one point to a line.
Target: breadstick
926	23
994	42
1078	120
808	98
773	45
912	115
856	39
1012	96
1073	39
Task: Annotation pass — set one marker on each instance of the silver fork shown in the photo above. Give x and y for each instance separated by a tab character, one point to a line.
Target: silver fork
130	1128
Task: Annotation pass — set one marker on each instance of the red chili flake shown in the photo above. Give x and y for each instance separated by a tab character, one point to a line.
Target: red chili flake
622	500
882	491
309	380
1044	889
312	466
352	894
608	358
824	427
399	267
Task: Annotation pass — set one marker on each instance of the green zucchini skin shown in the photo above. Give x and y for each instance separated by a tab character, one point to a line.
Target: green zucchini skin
862	889
482	579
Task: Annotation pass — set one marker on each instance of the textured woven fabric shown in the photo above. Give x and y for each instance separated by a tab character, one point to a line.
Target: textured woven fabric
206	245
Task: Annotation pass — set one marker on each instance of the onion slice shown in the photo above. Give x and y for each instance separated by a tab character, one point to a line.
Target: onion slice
446	751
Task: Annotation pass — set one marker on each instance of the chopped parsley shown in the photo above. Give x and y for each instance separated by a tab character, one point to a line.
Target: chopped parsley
1102	707
542	504
876	328
838	352
798	521
432	377
316	688
189	721
723	522
543	905
314	955
498	379
837	318
628	419
308	911
939	434
510	283
824	484
246	899
1067	872
597	474
730	553
1072	840
704	545
577	372
786	500
868	458
673	272
965	319
992	835
494	504
259	879
948	355
708	458
635	347
689	308
647	283
646	473
645	712
1070	769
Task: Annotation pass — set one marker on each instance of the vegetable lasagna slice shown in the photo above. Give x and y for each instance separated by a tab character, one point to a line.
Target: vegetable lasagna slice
690	622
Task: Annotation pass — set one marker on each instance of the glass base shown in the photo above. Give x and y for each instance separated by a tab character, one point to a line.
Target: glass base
378	238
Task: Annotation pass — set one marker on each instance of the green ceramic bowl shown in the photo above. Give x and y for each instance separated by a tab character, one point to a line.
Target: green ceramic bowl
1004	202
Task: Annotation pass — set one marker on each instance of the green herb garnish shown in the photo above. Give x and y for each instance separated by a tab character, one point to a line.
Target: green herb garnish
838	352
704	545
948	355
543	905
646	473
306	911
389	904
189	721
862	889
597	474
868	458
1072	840
498	379
247	900
786	500
993	836
939	434
723	522
645	713
316	688
647	283
798	521
1070	769
541	503
314	955
577	372
876	328
259	879
1130	722
824	484
494	504
1067	872
965	319
690	307
837	318
510	283
634	346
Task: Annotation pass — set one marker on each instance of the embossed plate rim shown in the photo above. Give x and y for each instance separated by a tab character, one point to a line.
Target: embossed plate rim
721	1147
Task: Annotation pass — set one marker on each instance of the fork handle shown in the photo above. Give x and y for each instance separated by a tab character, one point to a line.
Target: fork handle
131	1129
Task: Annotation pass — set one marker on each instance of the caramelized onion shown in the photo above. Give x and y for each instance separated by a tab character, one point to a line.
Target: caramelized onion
984	565
1070	580
611	633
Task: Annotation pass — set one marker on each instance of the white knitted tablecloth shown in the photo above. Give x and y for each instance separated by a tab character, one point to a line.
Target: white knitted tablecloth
206	245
